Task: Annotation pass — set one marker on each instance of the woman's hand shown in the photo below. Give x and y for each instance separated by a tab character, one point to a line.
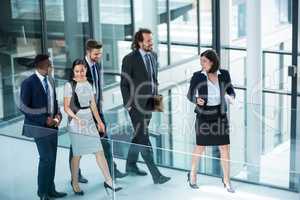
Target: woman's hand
229	99
200	101
79	121
101	127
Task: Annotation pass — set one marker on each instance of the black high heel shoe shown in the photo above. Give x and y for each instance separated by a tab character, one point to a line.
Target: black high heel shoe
106	186
80	193
228	186
194	185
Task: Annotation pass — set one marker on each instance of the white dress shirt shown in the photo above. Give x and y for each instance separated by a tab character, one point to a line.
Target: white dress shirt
95	86
213	91
50	90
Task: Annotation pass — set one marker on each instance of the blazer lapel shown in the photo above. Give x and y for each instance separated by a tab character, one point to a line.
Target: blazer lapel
222	93
202	90
39	84
142	64
88	72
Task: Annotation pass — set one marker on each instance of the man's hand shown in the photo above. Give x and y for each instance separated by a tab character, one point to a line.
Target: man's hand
57	119
50	122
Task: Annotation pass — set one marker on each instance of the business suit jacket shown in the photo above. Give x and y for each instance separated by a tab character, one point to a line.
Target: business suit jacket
99	84
135	80
34	106
198	84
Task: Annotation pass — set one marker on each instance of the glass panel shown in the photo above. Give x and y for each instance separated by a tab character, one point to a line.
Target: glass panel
29	10
66	39
20	41
235	61
205	22
162	48
276	71
276	25
116	34
233	23
183	22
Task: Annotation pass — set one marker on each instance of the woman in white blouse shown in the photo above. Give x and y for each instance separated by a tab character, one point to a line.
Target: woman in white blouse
208	88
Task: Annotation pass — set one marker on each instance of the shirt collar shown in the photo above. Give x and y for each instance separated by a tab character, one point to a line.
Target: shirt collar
143	52
40	76
89	61
205	73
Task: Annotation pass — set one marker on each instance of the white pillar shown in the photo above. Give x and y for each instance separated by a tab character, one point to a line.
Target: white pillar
254	89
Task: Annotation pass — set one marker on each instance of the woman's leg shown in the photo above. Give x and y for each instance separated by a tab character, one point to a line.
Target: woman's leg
197	152
74	170
102	163
225	162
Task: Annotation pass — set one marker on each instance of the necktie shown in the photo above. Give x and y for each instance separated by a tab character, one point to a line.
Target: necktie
95	80
149	69
46	87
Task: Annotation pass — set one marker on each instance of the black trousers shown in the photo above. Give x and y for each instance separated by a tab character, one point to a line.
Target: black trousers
107	152
141	142
47	148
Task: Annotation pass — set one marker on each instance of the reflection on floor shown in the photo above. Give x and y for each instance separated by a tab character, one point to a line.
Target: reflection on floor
18	180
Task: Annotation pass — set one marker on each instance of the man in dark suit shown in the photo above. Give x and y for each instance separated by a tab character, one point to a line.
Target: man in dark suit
138	86
95	76
42	118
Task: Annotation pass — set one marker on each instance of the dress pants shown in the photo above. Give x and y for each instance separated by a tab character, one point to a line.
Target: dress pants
141	142
47	148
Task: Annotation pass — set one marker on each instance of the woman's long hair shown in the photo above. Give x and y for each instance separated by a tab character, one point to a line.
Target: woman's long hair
78	61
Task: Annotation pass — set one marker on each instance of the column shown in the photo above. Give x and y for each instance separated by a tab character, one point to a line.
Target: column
254	89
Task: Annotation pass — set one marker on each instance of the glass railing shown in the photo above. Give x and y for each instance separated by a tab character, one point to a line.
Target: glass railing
173	131
21	160
260	136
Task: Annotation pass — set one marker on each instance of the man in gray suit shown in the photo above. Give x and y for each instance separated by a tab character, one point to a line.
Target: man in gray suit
138	86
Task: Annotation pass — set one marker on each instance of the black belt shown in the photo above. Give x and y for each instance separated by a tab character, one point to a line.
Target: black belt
83	108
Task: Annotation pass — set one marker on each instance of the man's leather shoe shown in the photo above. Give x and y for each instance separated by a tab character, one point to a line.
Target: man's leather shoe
56	194
135	171
161	179
44	197
81	179
119	174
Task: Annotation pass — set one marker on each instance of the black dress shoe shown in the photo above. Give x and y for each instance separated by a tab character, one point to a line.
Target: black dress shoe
119	174
135	171
81	179
44	197
161	179
56	194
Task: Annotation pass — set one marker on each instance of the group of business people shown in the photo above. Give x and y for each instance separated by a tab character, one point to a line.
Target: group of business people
83	99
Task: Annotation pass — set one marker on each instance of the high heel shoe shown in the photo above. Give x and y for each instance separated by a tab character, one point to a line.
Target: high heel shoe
192	185
228	186
80	193
106	186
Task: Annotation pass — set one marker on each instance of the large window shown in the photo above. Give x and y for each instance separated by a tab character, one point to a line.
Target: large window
20	41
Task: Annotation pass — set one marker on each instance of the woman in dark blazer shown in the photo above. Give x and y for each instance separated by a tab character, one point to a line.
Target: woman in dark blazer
208	90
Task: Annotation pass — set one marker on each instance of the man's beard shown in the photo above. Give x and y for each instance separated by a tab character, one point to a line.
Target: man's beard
93	60
147	49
